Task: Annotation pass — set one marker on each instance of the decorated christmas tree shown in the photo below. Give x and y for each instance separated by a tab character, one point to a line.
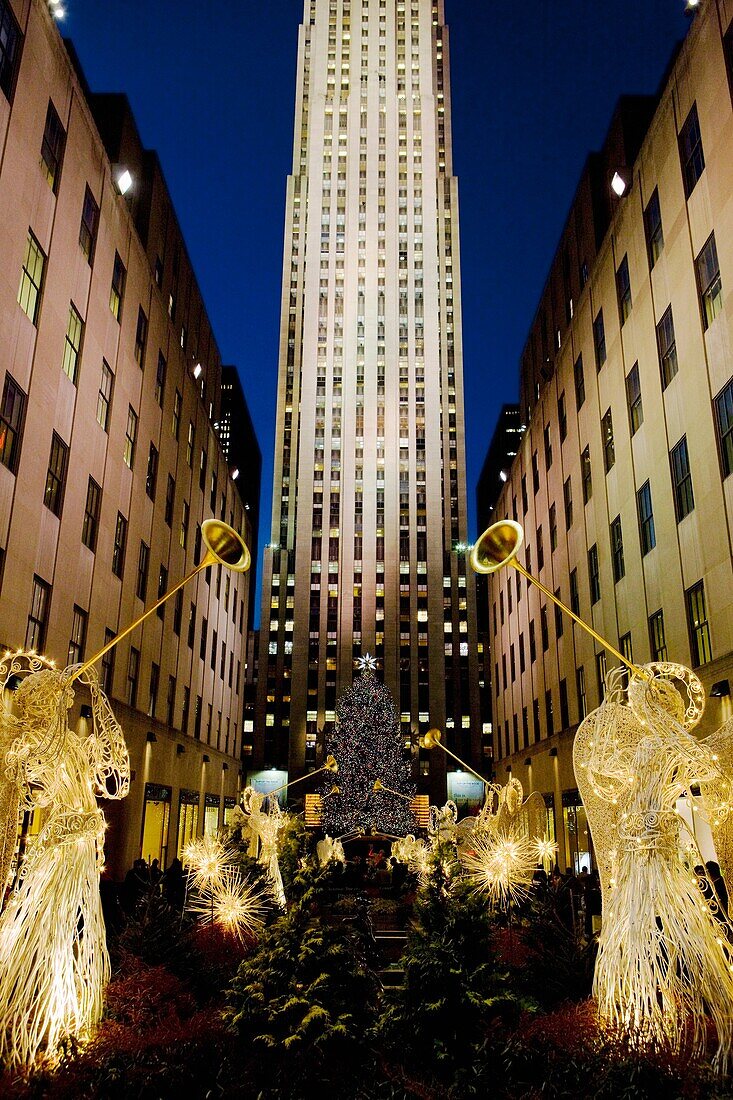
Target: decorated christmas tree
368	747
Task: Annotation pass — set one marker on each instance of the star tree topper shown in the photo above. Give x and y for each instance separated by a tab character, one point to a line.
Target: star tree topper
367	663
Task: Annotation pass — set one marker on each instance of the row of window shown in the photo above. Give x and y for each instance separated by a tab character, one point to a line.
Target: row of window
700	646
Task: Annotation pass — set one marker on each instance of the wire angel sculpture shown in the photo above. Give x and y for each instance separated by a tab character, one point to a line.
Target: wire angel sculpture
330	850
53	955
263	828
415	854
662	959
501	852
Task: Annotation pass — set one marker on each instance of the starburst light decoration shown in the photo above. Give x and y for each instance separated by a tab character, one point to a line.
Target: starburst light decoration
230	901
500	850
663	961
53	955
207	859
546	851
500	866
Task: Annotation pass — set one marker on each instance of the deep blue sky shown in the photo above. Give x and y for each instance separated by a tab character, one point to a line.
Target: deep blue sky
534	85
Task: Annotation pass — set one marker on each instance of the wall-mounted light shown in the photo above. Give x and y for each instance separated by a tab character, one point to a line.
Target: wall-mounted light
553	752
205	758
86	711
528	762
124	181
151	738
225	767
57	9
180	749
618	184
197	371
502	475
235	473
720	689
509	768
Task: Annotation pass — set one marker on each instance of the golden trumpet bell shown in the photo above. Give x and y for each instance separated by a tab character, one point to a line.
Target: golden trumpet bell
431	739
498	545
225	546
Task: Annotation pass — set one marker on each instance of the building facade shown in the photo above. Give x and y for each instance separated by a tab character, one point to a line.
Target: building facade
369	495
110	391
624	478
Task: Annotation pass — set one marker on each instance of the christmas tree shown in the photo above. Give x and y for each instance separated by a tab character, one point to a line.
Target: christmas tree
368	747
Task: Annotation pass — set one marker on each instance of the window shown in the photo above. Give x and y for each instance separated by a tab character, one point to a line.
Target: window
31	278
684	500
562	417
567	494
118	549
617	550
601	668
190	443
90	526
177	613
609	451
104	397
130	437
162	589
708	281
141	337
108	664
117	290
88	226
580	688
623	290
564	709
723	423
151	477
12	419
170	493
549	714
540	550
72	343
599	340
553	527
697	622
183	536
558	616
646	518
143	562
78	636
35	634
202	470
574	594
204	634
53	496
544	630
657	640
548	446
633	399
579	382
535	474
653	229
10	41
160	379
52	148
170	701
667	348
594	575
176	419
586	475
133	673
154	687
691	154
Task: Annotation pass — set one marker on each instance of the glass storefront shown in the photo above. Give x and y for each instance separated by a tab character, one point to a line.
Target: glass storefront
211	814
188	818
229	804
156	821
578	846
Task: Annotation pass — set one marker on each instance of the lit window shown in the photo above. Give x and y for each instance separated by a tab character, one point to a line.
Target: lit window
667	348
623	289
117	290
72	343
53	496
52	147
691	153
647	533
724	424
31	278
104	397
633	399
12	417
697	621
653	229
684	500
709	284
88	226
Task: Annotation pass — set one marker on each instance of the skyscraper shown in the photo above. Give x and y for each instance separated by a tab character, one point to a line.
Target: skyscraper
369	502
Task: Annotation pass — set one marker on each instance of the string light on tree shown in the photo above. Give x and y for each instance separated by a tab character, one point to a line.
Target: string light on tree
375	785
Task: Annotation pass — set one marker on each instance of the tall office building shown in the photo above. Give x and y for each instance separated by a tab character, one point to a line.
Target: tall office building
369	499
623	480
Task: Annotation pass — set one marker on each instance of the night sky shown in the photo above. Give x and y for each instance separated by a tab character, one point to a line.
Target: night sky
534	84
